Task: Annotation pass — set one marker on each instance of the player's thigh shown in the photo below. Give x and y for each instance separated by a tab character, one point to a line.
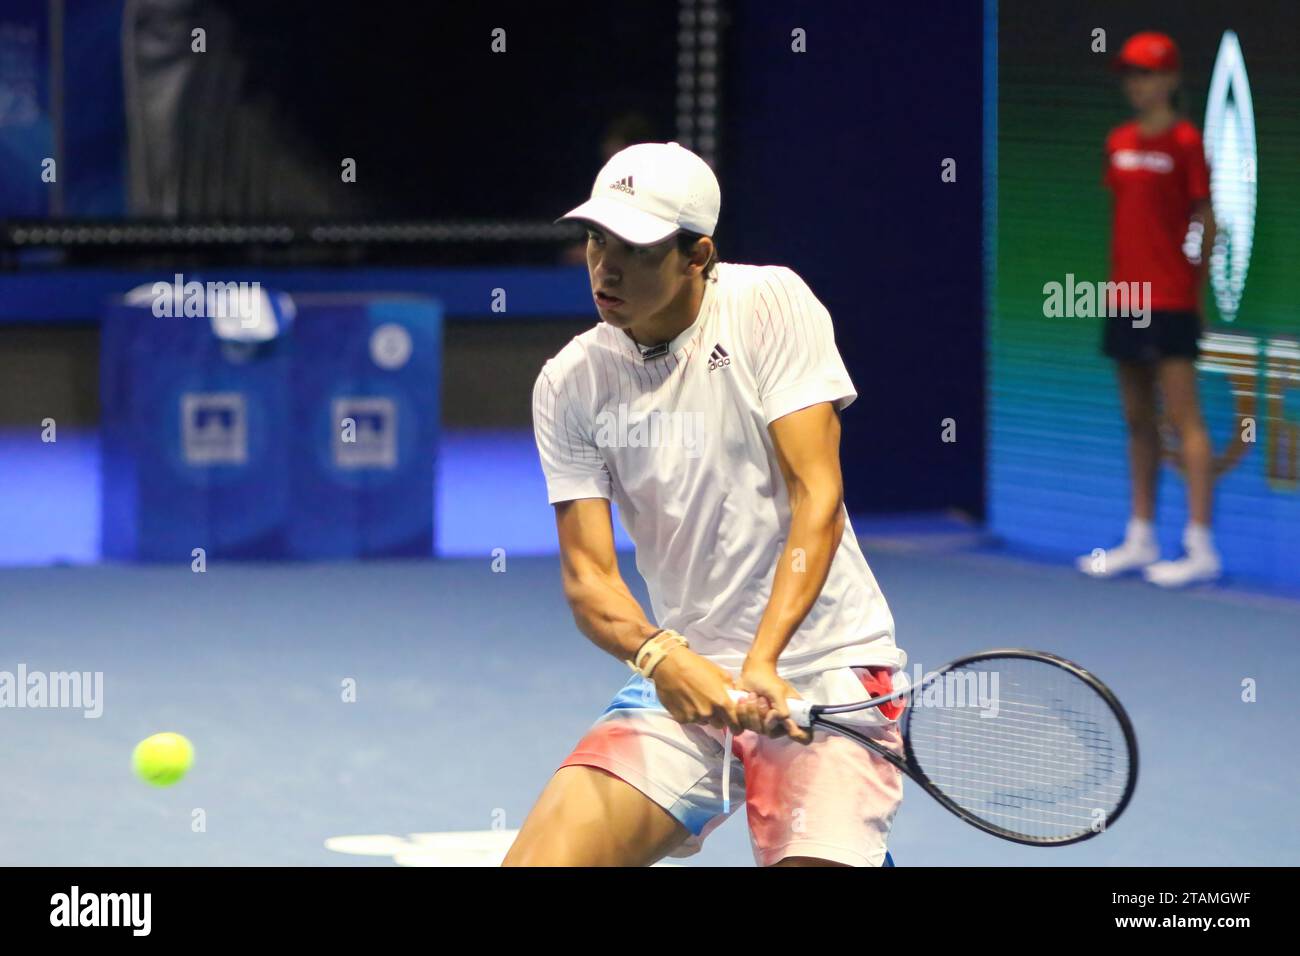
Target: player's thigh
589	817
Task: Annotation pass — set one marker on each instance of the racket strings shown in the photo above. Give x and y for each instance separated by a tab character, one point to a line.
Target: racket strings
1054	740
1038	752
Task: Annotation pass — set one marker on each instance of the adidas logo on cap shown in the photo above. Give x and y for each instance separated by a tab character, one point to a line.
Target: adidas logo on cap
677	191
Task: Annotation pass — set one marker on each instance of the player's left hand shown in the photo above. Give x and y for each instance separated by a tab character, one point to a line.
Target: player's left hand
767	712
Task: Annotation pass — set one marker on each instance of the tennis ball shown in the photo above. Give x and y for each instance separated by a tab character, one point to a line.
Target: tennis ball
162	759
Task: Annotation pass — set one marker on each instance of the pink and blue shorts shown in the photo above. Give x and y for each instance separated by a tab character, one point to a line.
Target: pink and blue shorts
832	799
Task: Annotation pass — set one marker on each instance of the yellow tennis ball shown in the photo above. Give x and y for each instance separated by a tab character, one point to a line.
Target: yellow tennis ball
162	759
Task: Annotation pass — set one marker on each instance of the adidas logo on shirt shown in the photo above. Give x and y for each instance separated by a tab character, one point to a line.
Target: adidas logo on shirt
624	185
718	358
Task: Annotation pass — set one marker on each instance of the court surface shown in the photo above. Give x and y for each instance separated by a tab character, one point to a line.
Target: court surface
471	686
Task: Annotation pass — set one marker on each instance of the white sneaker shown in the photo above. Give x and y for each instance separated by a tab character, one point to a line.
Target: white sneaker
1201	563
1132	555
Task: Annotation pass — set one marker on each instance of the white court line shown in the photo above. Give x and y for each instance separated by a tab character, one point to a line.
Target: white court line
462	848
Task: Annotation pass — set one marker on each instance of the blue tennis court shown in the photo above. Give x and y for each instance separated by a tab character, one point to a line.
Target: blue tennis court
471	685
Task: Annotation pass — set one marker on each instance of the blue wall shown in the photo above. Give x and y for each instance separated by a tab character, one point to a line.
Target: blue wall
831	165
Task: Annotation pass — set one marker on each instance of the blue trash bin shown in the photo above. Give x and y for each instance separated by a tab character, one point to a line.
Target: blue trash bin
366	416
195	433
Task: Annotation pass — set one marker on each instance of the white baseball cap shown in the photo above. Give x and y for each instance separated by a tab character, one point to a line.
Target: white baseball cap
650	191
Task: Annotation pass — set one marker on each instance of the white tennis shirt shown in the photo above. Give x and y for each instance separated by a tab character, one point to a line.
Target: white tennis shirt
680	443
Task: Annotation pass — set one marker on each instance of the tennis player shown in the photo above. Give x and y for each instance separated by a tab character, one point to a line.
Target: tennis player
1156	169
706	404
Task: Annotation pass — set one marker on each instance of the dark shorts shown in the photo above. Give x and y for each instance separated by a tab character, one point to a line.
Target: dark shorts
1170	335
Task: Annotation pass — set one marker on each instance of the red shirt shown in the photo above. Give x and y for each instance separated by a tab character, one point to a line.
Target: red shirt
1156	180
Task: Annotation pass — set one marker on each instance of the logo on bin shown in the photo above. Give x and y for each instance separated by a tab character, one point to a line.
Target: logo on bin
365	433
390	346
214	428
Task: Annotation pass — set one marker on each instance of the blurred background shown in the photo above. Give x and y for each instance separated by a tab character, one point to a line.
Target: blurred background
228	164
177	512
1056	465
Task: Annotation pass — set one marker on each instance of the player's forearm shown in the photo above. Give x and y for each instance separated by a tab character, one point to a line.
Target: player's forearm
816	527
607	613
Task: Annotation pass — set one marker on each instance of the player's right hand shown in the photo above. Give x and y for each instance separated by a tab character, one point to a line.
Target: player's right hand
694	691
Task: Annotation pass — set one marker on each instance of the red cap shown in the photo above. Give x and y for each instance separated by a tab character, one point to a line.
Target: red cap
1148	51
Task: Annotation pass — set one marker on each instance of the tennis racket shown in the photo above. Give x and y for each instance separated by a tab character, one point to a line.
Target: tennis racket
1021	744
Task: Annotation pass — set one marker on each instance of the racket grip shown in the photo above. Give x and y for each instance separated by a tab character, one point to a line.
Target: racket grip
800	710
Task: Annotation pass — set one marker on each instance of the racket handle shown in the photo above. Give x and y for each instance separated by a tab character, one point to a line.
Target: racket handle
800	710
